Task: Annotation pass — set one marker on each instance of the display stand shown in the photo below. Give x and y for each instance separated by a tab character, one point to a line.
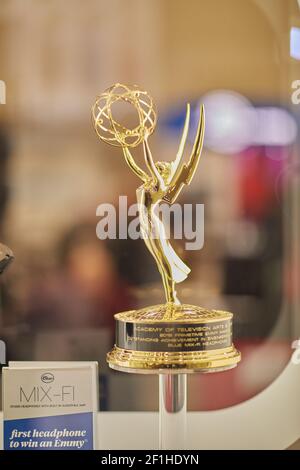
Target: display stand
172	411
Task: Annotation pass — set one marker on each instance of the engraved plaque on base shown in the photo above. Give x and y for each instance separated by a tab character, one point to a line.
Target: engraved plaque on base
182	337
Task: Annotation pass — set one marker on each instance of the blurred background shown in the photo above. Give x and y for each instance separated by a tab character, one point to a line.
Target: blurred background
58	298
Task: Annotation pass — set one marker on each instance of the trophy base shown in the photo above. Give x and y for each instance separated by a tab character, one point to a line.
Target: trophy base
173	339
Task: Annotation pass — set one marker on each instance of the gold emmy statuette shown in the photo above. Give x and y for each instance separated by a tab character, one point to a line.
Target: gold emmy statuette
172	337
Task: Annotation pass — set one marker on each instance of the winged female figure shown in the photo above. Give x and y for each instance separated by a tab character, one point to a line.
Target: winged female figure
163	182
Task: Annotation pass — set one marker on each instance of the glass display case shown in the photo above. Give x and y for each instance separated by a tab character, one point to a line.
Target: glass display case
241	60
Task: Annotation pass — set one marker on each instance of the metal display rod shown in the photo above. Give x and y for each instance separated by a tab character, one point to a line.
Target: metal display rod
172	411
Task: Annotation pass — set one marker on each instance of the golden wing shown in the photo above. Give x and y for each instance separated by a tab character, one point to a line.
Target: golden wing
184	174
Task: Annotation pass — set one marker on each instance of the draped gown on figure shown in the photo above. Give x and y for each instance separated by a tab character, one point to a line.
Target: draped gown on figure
155	237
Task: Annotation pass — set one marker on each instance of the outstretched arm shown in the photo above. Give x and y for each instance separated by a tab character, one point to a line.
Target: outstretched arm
151	165
184	175
133	166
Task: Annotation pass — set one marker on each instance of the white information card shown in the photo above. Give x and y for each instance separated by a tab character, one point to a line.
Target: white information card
50	405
